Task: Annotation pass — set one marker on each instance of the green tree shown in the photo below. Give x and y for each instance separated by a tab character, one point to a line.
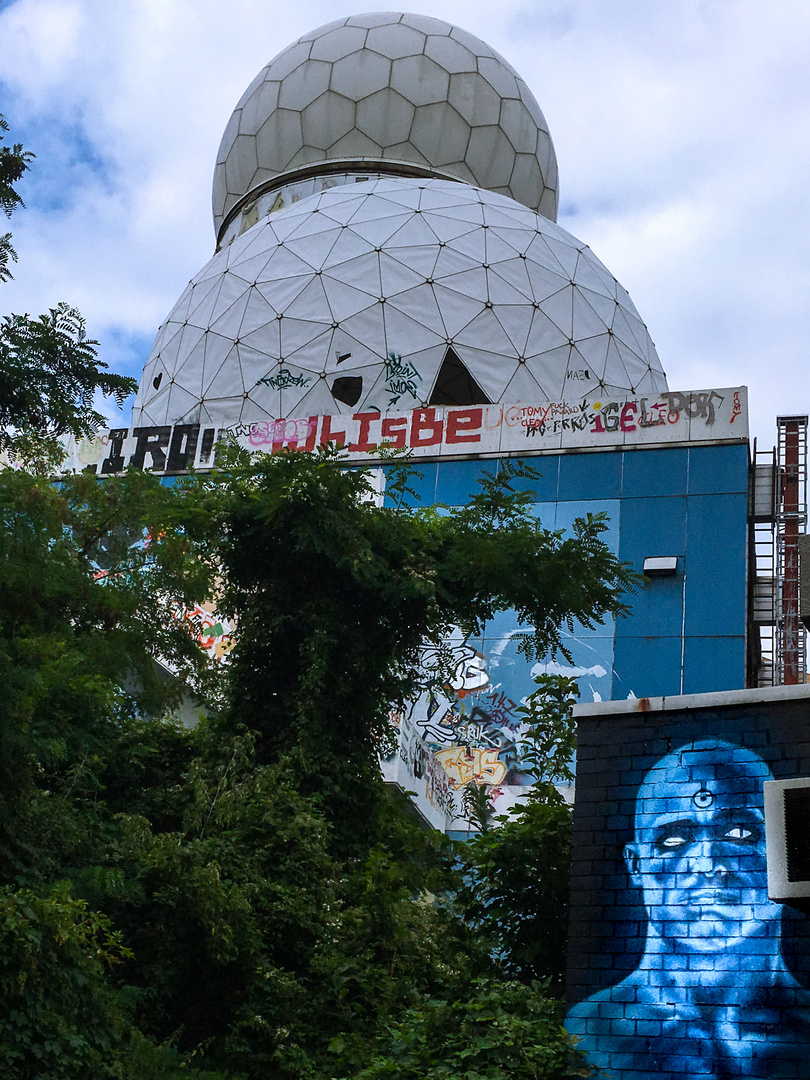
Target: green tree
86	615
60	1019
13	165
336	597
516	877
497	1030
49	376
274	911
49	368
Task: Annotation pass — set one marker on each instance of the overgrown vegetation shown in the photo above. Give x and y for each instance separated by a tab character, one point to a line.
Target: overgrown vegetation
245	899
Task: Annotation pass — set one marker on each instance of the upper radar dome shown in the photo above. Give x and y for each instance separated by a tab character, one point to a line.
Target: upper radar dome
396	92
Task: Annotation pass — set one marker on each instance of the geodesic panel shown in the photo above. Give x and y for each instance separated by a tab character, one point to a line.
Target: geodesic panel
420	79
327	119
386	117
421	88
391	293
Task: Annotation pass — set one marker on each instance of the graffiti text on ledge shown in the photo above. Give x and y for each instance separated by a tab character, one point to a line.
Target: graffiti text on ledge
432	431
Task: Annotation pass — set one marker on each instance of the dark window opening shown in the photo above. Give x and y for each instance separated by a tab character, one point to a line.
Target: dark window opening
455	385
347	389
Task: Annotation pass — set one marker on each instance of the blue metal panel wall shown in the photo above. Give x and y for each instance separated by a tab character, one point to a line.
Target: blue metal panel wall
686	634
691	503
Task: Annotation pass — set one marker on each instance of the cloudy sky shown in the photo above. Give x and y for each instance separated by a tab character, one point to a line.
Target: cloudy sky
682	130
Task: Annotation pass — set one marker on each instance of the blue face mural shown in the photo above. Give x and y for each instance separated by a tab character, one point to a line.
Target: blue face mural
712	995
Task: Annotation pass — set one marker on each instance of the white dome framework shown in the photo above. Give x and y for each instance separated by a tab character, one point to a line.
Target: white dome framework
407	91
395	293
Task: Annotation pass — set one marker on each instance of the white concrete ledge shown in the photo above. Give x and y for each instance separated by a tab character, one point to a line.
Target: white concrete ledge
761	695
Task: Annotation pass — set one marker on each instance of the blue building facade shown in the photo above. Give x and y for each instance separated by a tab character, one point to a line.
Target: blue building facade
687	632
671	476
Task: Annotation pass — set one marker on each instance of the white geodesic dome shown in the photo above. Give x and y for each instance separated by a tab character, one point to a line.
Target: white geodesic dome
406	90
395	293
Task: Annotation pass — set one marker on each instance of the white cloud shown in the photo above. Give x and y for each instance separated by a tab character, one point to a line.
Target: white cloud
41	39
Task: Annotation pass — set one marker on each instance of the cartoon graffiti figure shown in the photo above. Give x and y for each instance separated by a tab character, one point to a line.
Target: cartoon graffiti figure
470	673
712	995
435	711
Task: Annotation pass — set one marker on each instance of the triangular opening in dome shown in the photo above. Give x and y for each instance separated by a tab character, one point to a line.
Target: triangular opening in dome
455	385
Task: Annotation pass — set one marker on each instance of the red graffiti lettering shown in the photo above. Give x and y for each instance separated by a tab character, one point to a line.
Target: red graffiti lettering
363	443
464	426
426	430
327	435
629	409
394	430
312	431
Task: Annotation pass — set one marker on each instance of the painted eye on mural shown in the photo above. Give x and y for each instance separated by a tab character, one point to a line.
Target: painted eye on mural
673	837
741	834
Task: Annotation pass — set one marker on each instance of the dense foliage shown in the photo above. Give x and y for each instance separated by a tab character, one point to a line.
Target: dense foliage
246	899
336	597
498	1030
515	888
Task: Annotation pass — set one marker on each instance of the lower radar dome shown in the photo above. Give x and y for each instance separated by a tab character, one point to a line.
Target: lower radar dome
395	292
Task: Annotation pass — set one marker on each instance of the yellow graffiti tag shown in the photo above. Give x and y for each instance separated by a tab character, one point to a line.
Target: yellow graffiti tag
471	763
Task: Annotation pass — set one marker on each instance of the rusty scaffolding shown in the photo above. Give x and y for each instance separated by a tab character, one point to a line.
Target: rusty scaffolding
791	522
779	522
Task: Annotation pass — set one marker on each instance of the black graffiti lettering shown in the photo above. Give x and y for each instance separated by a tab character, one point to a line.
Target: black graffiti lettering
207	444
710	403
114	462
152	441
675	402
238	431
650	419
183	447
218	448
697	406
